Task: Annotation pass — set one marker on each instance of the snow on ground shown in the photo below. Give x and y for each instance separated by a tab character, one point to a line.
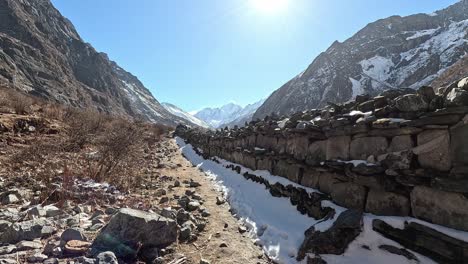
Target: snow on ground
279	227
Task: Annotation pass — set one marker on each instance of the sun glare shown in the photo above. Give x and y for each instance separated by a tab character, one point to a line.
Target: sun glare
269	6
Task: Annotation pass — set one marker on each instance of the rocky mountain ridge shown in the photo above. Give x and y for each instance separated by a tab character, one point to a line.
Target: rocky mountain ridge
396	52
42	53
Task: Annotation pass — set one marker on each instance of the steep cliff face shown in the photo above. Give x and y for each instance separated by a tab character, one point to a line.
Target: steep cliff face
396	52
41	53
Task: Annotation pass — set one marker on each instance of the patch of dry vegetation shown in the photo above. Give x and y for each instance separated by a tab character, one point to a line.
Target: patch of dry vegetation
85	144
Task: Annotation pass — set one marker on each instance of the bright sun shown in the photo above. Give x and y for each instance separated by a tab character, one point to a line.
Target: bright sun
269	6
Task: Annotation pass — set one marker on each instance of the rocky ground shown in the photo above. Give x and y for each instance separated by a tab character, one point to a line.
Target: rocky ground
49	213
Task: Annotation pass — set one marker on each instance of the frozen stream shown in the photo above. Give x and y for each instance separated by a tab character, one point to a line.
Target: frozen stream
279	227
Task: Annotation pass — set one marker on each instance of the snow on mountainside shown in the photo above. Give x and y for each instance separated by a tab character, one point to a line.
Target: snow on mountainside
245	115
182	114
396	52
228	115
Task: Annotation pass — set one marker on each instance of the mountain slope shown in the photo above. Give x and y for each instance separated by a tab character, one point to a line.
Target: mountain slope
184	115
41	53
458	71
395	52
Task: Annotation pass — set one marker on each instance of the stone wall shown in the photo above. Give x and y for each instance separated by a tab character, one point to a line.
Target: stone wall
402	153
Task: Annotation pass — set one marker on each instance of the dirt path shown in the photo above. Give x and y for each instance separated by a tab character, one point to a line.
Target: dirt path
222	228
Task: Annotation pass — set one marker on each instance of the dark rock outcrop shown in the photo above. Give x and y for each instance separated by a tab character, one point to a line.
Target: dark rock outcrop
335	240
426	241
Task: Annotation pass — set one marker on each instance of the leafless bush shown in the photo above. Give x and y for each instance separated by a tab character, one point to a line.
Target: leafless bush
117	146
17	101
83	126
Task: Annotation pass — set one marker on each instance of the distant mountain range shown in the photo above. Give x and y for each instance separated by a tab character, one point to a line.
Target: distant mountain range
182	114
395	52
228	115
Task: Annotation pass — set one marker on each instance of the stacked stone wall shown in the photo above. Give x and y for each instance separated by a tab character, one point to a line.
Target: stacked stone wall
403	163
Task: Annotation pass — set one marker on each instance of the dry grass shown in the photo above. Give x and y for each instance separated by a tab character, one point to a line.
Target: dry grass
89	145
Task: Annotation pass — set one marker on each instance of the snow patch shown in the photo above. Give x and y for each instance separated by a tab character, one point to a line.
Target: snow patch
377	67
357	87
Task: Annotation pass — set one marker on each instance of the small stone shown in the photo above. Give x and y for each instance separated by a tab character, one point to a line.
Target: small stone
223	245
194	184
52	211
177	184
204	261
220	200
107	257
38	257
72	234
164	199
85	260
160	192
36	212
10	199
8	261
192	206
242	229
51	261
7	249
205	212
28	245
182	216
76	247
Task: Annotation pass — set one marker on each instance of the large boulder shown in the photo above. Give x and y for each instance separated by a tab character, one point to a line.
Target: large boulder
411	103
129	230
336	239
387	203
434	150
362	148
439	207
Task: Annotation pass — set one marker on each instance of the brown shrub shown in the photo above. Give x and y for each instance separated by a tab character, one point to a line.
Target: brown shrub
118	146
16	100
83	126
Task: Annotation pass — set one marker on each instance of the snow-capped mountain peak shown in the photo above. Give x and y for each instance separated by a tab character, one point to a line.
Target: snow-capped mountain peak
228	115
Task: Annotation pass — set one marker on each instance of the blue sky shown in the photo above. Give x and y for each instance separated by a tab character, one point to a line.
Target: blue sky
200	53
